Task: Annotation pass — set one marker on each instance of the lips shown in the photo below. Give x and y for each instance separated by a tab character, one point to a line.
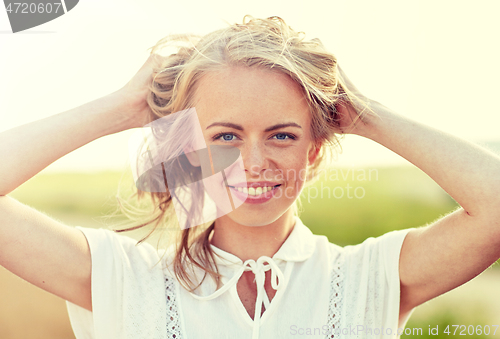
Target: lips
255	192
255	184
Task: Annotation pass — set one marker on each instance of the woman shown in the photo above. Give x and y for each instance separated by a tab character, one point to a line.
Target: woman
279	100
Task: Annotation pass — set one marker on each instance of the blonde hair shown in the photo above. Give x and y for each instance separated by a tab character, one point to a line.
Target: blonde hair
267	43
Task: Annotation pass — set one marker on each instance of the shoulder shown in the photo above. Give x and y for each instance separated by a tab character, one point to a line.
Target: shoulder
374	256
108	245
385	245
377	256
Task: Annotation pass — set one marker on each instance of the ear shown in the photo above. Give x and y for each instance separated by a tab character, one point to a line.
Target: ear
192	157
313	153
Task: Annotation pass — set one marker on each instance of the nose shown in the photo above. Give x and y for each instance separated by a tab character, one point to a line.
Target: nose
254	158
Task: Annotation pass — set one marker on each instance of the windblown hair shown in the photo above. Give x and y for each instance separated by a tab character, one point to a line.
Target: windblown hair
265	43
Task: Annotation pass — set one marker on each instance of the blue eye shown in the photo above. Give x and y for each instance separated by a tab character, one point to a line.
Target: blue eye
224	137
284	136
228	137
281	136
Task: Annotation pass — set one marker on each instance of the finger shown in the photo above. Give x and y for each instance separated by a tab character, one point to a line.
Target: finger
350	86
155	61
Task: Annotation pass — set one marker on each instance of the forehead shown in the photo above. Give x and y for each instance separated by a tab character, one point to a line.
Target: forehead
250	95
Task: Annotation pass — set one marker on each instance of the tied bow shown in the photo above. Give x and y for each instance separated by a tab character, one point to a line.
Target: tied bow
259	268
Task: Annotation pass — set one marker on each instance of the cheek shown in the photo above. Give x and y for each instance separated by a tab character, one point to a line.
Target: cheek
294	168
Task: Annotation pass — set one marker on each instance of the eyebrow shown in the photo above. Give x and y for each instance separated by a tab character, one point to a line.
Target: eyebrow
240	128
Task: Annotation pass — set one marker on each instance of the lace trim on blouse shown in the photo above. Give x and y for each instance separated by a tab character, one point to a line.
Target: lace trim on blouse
173	323
336	298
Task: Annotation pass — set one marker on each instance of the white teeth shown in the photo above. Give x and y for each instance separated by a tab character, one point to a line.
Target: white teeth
254	191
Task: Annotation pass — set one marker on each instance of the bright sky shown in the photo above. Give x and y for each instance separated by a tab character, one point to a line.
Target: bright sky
434	61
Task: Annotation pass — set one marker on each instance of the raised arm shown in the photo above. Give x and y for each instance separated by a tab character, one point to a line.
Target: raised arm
439	257
33	246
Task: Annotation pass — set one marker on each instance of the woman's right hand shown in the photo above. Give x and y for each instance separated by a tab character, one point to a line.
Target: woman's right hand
131	98
27	149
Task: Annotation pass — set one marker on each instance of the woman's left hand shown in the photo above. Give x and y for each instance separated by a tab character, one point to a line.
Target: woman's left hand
354	117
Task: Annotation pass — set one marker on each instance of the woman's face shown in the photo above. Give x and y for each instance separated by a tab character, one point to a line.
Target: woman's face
265	115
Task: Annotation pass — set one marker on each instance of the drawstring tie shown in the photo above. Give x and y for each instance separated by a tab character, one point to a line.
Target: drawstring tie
259	268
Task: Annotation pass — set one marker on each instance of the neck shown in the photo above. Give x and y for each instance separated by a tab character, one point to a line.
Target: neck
248	242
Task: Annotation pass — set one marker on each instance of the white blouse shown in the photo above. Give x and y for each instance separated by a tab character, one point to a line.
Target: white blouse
322	291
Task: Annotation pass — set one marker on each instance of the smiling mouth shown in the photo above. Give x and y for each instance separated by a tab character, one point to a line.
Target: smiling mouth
254	191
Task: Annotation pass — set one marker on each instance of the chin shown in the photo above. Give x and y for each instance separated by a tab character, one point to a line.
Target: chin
254	218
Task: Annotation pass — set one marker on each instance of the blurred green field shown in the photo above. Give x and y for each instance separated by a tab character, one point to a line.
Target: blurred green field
380	200
351	205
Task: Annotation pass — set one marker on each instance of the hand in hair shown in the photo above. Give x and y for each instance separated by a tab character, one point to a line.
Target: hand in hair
134	93
356	110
